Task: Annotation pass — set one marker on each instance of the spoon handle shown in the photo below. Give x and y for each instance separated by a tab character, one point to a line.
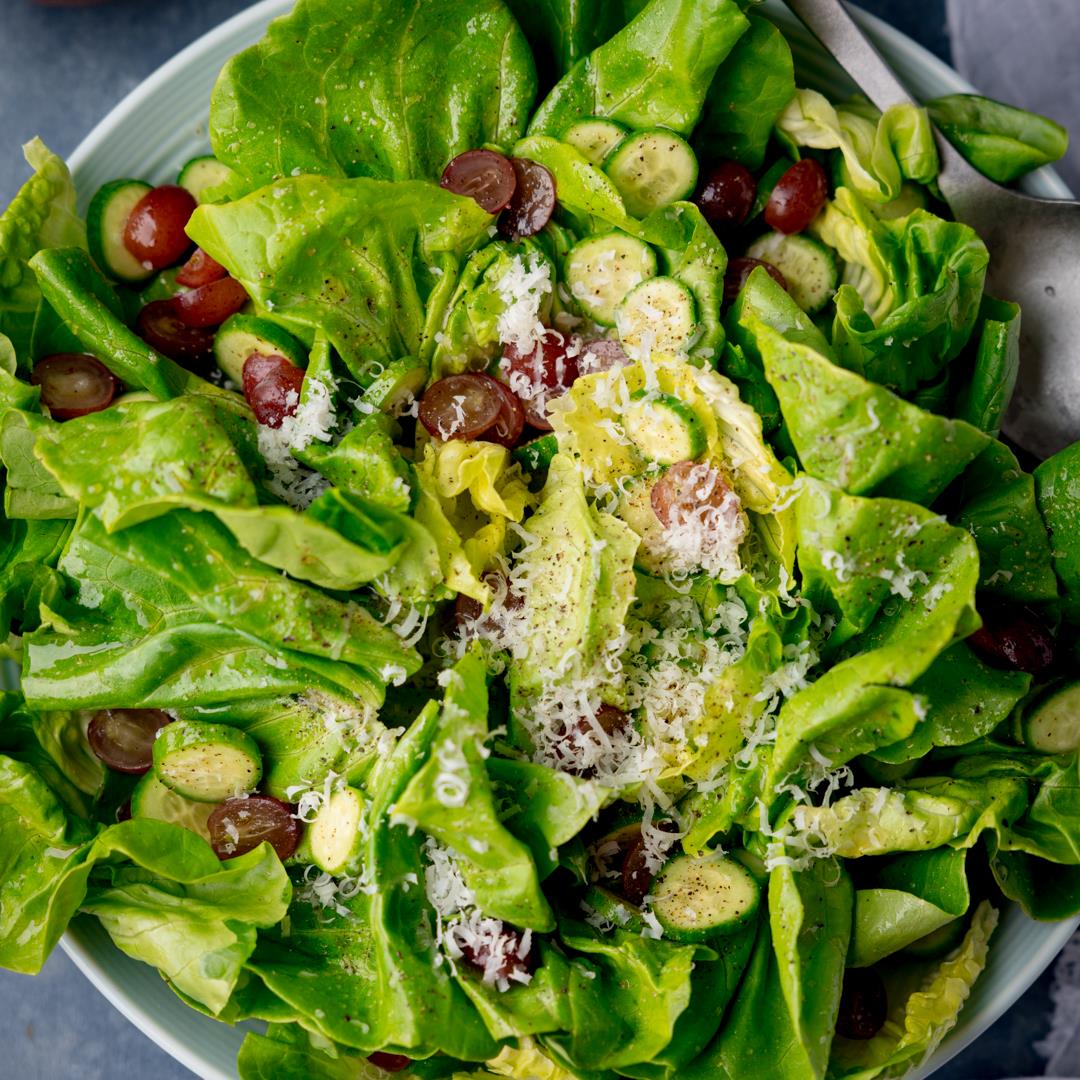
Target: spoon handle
831	24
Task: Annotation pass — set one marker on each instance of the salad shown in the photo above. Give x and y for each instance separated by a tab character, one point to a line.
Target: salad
510	562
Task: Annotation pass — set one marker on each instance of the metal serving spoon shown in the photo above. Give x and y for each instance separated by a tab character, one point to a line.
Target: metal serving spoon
1034	249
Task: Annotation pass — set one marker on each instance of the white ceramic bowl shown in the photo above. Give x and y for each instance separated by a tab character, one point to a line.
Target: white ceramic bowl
150	134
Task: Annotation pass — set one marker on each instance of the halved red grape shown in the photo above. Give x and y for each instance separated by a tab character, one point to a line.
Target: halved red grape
154	232
602	355
533	201
798	197
389	1062
199	270
462	406
864	1004
124	738
272	387
238	826
159	324
486	177
637	878
211	304
468	613
510	422
1014	638
611	719
123	811
74	384
738	270
727	194
539	376
685	488
501	956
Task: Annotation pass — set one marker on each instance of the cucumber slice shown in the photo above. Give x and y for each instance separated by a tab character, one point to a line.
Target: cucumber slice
106	219
697	899
659	314
206	762
651	169
664	427
335	838
938	942
242	335
595	138
1052	724
601	270
397	385
808	266
613	908
201	174
152	799
536	455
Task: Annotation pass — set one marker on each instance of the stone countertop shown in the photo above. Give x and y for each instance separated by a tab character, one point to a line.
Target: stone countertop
64	68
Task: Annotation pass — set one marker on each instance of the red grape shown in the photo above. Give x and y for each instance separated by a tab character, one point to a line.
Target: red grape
1016	639
389	1062
685	488
728	193
200	269
484	176
602	355
510	422
272	387
74	384
211	304
154	232
240	825
798	197
864	1005
462	406
533	201
159	325
539	376
124	738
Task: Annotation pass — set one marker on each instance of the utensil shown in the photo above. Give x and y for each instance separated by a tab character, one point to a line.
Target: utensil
1034	249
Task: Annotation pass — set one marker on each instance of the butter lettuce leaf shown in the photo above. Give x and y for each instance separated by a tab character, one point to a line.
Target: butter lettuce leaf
344	88
654	72
369	263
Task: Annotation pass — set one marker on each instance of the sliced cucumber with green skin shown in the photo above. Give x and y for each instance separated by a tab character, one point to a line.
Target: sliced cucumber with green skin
808	266
595	138
613	908
201	174
938	942
242	335
601	270
206	762
536	455
397	385
651	169
1051	724
658	315
664	427
698	899
106	220
152	799
335	838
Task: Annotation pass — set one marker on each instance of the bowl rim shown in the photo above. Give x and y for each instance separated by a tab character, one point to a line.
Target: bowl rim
76	941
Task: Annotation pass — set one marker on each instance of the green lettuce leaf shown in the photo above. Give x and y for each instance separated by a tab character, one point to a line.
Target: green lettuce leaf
989	385
879	150
923	1009
1057	481
30	490
1000	511
749	91
858	435
452	798
294	246
42	215
1002	142
654	72
354	88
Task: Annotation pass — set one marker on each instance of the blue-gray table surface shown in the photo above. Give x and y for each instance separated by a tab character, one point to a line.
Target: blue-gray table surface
64	68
